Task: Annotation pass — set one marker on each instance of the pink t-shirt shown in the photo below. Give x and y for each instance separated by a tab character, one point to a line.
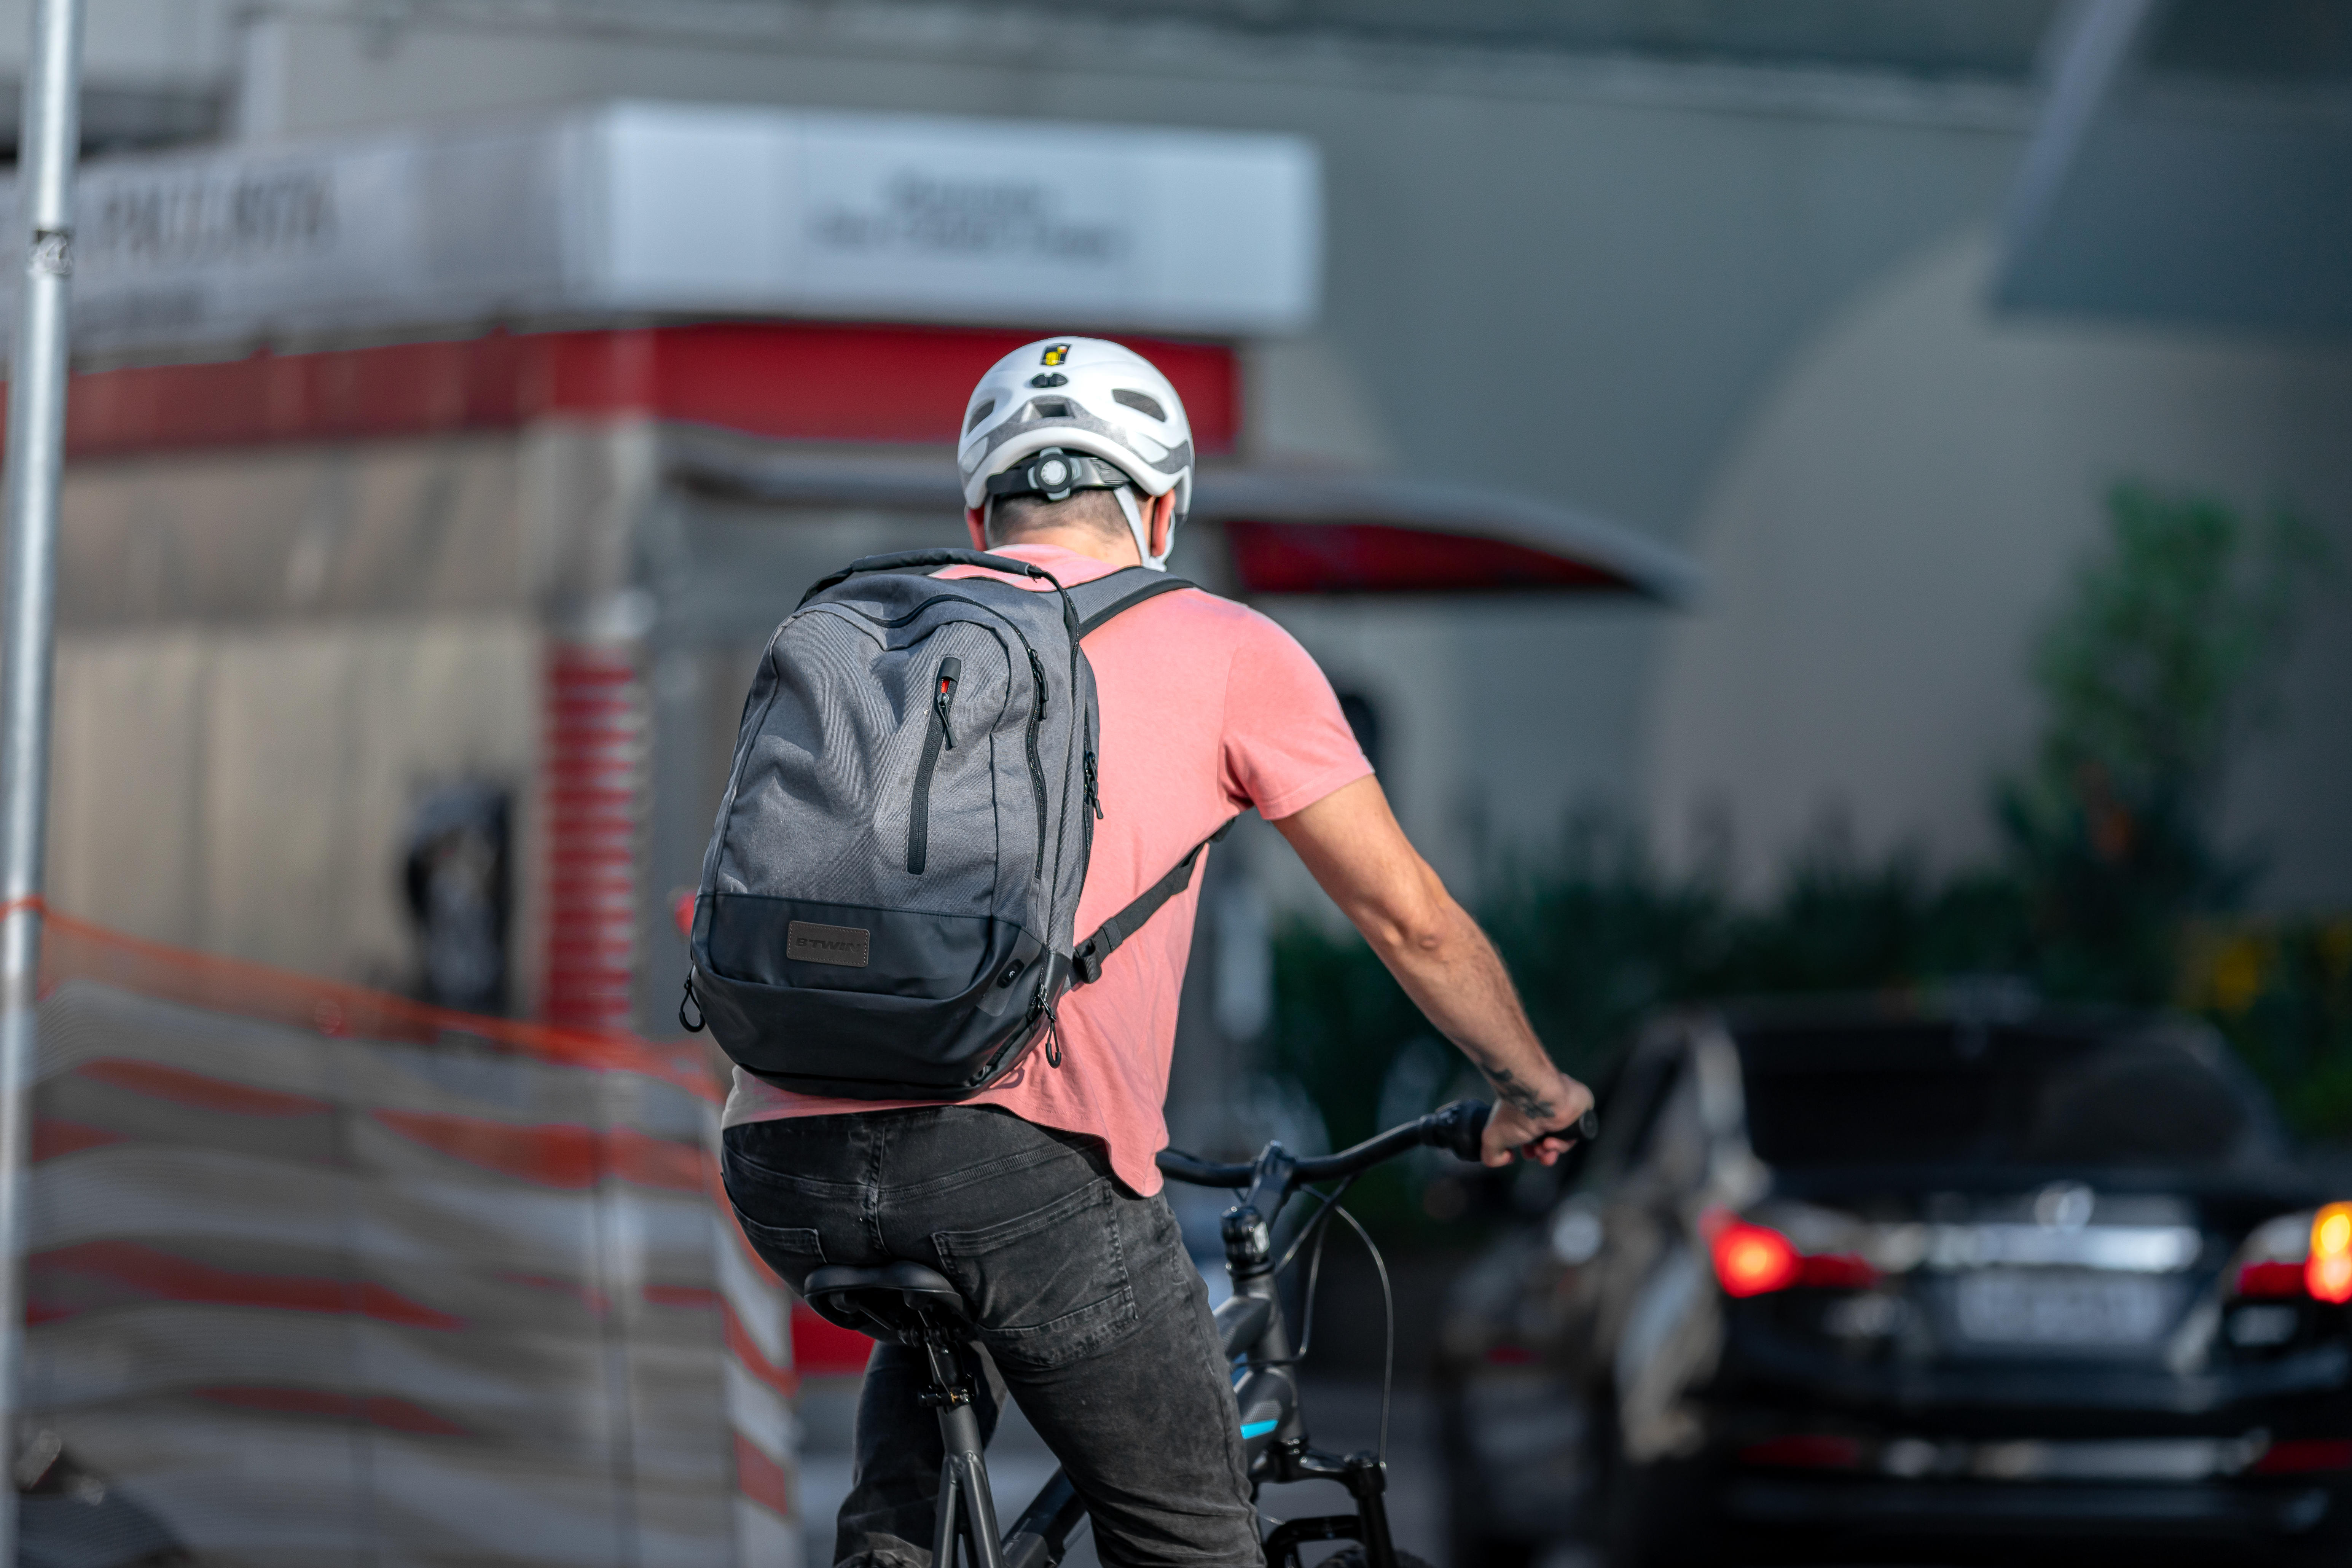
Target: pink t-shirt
1208	709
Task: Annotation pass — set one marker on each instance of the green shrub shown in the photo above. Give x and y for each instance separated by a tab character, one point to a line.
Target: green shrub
2282	992
2160	664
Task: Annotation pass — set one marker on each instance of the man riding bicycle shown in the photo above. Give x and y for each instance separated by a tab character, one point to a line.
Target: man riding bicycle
1038	1196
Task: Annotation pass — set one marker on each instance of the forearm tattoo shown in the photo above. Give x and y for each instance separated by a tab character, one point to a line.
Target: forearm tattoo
1522	1097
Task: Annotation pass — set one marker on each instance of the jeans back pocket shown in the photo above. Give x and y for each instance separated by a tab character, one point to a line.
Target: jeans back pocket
1049	1286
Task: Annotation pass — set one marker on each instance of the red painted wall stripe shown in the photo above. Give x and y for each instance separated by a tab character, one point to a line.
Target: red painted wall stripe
784	1380
686	1297
553	1155
559	1156
595	748
144	1271
649	1162
73	947
786	380
387	1411
54	1138
585	1297
198	1091
762	1479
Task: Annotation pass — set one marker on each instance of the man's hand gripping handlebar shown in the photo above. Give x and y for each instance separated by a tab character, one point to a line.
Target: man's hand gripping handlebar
1534	1123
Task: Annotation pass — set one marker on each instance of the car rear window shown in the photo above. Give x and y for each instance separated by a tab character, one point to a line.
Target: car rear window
1940	1096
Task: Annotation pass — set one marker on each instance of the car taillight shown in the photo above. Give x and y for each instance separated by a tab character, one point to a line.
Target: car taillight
1755	1260
2327	1274
2271	1280
2298	1454
1804	1451
2294	1258
1751	1259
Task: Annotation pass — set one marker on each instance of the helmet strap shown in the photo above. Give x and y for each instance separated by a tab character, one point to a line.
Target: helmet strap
1137	526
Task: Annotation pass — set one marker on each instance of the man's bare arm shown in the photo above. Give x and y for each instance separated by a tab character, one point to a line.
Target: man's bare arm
1350	841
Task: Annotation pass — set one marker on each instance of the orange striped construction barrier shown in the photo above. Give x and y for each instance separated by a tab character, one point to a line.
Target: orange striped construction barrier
318	1274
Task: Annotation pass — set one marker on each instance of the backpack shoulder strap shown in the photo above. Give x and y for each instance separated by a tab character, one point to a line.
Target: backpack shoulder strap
1088	961
1117	593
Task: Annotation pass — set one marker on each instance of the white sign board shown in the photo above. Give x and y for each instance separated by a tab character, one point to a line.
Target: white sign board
636	208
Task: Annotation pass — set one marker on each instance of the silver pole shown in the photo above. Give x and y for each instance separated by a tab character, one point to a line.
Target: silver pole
35	469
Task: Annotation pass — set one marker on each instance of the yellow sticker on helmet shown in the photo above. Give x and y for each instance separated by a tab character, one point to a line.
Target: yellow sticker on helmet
1057	353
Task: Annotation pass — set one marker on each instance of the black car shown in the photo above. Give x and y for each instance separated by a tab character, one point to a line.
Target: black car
1860	1278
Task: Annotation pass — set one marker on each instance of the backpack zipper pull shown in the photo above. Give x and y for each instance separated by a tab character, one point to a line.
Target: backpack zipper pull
1037	674
943	697
1094	797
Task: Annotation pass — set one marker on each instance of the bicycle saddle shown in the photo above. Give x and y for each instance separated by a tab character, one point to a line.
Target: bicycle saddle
899	1301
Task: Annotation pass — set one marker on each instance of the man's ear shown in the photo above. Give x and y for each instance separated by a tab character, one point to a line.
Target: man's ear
975	520
1161	525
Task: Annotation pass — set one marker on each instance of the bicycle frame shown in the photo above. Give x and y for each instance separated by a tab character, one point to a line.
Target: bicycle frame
1255	1338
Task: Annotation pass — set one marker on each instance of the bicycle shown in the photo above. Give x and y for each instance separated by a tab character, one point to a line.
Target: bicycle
921	1309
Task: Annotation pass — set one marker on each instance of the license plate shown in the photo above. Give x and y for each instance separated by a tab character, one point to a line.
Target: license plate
2018	1307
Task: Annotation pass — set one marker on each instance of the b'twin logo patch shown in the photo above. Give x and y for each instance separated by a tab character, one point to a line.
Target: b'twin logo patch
813	944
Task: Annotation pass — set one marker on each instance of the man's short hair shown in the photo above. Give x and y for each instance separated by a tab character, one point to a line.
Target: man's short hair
1013	517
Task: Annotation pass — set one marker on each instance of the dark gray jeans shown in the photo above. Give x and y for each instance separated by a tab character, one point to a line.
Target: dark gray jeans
1085	1300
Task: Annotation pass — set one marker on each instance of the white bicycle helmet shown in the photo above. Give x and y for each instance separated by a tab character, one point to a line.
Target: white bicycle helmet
1042	412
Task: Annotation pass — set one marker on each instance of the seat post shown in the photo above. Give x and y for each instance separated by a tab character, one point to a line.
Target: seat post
915	1305
966	1506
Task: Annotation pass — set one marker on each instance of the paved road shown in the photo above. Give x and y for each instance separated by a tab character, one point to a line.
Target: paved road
1343	1417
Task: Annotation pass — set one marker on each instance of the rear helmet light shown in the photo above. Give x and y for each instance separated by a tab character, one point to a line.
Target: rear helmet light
2328	1275
1755	1260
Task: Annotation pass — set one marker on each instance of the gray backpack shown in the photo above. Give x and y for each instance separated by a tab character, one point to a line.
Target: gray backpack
887	902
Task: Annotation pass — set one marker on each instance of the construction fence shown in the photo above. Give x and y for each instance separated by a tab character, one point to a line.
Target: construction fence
320	1275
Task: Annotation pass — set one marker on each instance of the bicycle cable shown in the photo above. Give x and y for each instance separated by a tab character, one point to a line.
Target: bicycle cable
1319	1218
1388	1310
1319	1227
1322	1226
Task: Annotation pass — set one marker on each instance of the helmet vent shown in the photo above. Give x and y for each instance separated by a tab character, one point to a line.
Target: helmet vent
985	407
1141	402
1049	408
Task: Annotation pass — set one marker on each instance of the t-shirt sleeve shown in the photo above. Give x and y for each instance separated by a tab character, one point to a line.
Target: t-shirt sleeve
1287	745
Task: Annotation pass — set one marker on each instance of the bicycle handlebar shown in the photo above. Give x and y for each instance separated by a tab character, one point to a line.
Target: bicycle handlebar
1458	1128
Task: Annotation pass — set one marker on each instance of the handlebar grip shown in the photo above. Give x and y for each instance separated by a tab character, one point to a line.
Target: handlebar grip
1459	1127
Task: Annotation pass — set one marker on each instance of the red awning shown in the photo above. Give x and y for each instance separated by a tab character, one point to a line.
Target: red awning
1290	531
1387	557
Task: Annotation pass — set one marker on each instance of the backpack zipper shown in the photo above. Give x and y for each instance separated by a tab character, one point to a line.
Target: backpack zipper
1037	768
1094	793
938	732
1037	717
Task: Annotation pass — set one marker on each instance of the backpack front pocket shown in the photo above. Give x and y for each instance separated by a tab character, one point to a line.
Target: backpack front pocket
938	730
